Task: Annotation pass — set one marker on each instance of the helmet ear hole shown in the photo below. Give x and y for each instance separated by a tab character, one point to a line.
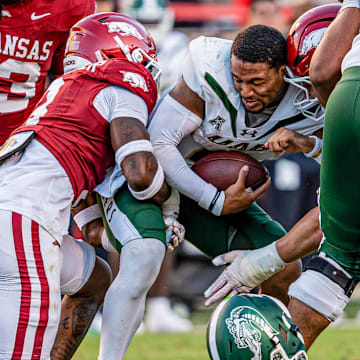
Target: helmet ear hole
230	347
283	333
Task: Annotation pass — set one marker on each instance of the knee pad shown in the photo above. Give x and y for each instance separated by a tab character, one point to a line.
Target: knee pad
140	263
77	261
324	287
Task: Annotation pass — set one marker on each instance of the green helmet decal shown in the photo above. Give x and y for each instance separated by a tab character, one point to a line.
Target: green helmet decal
246	325
253	327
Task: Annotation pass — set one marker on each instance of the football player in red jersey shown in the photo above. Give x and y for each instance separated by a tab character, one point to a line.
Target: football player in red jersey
56	158
33	40
135	226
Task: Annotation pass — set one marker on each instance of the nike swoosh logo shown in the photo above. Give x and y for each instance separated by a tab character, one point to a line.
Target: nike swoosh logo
33	16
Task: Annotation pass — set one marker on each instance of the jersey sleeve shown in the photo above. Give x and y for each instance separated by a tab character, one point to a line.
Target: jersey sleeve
114	101
352	58
169	124
192	70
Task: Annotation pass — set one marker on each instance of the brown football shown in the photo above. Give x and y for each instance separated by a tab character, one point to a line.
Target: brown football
222	169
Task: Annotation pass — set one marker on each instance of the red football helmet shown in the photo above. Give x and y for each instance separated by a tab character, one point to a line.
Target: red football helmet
102	36
302	40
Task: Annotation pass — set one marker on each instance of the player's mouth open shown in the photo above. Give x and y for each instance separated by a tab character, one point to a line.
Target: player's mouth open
249	102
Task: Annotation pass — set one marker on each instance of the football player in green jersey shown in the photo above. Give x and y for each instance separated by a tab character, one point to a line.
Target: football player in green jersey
320	295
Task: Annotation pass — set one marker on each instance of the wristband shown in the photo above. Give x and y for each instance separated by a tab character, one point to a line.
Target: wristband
316	150
132	147
171	206
213	201
349	3
87	215
154	187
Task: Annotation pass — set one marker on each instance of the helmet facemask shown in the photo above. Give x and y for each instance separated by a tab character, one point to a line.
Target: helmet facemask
303	101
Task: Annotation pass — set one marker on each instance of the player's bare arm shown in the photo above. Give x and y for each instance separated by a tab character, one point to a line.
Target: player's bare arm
139	168
188	98
325	66
91	231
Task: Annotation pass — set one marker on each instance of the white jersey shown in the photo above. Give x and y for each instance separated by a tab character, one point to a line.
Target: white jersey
352	58
207	71
179	136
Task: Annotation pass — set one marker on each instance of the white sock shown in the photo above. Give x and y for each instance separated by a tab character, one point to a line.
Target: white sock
124	304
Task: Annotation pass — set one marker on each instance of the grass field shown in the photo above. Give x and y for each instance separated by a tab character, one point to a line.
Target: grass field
336	343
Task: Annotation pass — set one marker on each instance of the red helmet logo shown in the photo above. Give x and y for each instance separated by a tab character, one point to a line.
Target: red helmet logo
305	35
102	36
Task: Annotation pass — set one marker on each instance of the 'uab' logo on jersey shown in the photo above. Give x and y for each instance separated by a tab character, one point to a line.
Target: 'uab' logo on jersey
123	29
135	80
247	325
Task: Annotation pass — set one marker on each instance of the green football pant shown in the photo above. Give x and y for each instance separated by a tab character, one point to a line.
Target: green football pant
340	174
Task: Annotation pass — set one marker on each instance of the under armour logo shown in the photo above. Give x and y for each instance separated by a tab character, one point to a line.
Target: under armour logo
217	123
247	132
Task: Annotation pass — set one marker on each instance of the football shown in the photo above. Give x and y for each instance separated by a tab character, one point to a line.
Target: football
222	169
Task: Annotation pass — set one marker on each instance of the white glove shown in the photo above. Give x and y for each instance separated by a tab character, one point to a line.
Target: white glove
247	269
175	232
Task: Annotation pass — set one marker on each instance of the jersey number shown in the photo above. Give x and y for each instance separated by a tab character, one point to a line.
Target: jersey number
42	109
26	88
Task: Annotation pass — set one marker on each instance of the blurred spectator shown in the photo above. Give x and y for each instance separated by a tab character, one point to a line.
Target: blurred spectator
106	5
267	12
159	19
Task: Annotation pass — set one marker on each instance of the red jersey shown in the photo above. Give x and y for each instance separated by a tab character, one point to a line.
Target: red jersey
67	124
33	37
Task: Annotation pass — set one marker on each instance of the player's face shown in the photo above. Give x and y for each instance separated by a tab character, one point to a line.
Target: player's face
258	84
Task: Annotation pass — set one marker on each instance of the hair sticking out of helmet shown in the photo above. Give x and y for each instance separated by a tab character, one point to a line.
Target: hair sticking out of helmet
253	327
302	40
102	36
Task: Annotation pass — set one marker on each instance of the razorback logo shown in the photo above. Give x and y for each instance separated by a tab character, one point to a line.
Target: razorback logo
123	28
246	325
135	80
312	40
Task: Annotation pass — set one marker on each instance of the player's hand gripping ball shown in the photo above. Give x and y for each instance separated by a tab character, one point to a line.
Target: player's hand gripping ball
222	169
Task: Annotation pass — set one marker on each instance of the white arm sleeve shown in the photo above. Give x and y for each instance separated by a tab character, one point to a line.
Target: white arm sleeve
115	101
169	125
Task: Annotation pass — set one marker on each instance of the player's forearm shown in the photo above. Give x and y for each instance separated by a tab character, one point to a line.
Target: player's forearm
325	66
303	239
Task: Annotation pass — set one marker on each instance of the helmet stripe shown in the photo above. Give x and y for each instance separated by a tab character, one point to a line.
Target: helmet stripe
212	331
